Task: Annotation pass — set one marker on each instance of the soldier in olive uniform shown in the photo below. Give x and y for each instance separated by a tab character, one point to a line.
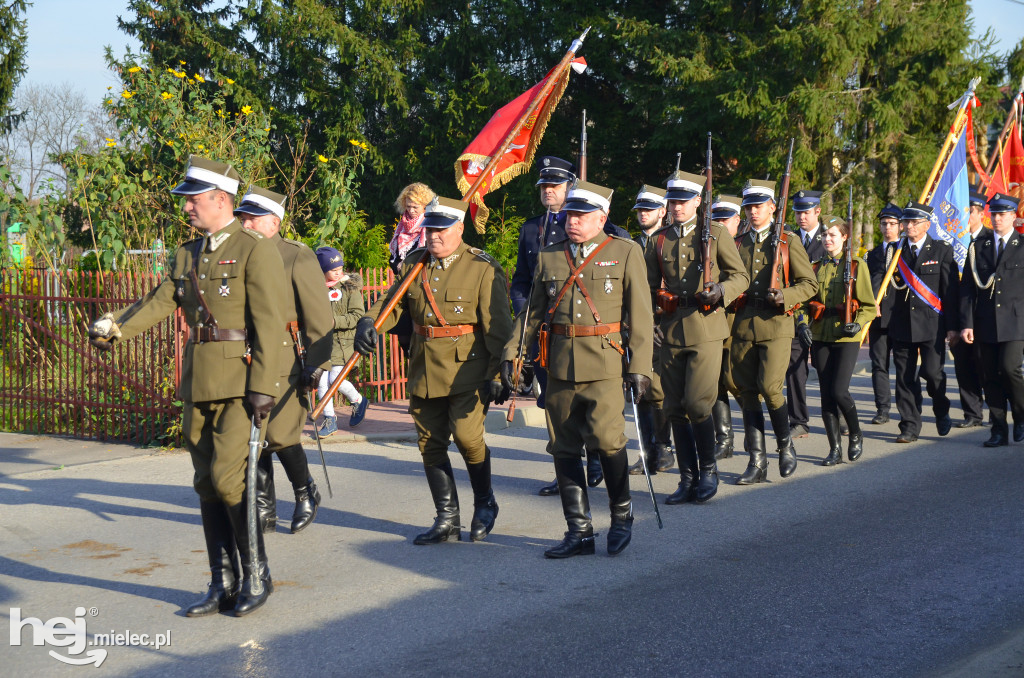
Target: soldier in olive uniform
230	285
726	213
308	319
583	292
694	326
461	320
763	332
992	313
654	425
807	214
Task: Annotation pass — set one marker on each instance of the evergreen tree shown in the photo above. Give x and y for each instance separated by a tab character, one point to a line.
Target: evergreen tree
12	59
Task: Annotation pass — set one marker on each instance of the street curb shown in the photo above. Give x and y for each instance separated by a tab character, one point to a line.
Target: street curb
495	422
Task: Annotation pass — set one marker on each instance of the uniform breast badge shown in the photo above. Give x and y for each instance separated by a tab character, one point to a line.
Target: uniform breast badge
552	289
607	285
457	309
224	289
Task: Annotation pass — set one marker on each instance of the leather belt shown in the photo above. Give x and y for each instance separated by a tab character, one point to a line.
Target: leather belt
585	330
436	332
201	334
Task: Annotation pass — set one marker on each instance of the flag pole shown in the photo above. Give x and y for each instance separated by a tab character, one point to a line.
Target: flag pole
410	276
955	131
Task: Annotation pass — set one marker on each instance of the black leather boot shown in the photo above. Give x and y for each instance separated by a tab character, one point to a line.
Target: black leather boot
446	526
594	473
485	508
1000	435
616	479
787	452
753	441
835	443
266	497
686	452
307	497
707	479
225	574
572	488
645	422
722	414
856	446
256	584
663	440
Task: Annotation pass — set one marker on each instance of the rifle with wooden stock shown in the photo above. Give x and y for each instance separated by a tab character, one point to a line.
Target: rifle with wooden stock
779	234
705	234
850	305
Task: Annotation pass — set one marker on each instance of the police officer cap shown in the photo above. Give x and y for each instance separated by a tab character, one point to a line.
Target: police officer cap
587	197
1000	202
444	212
725	207
915	210
757	192
260	201
977	198
684	186
650	198
806	200
555	171
329	258
891	211
203	174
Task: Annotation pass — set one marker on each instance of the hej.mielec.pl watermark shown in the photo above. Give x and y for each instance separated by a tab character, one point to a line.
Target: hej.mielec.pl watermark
71	634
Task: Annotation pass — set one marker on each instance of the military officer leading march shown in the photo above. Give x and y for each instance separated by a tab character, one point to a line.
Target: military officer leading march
584	290
229	284
461	320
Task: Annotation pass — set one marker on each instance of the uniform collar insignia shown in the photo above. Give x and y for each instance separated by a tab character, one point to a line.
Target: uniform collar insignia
217	239
684	230
444	263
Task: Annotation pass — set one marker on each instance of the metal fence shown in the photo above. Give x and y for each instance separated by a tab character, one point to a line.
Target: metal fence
53	382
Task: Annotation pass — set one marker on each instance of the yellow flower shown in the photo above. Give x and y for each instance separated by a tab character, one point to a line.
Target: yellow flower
111	143
165	96
171	71
191	81
246	110
201	147
229	81
127	95
266	129
135	69
181	62
110	87
110	101
169	143
321	158
200	78
353	142
364	146
178	74
220	112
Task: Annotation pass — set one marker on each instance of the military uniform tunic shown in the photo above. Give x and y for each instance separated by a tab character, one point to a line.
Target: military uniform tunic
762	334
309	307
691	351
584	402
992	304
448	376
242	279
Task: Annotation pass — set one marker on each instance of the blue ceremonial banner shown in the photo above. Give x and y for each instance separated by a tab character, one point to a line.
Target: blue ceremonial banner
951	203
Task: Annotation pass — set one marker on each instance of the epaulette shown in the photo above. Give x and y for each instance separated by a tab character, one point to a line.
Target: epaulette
295	243
483	255
252	234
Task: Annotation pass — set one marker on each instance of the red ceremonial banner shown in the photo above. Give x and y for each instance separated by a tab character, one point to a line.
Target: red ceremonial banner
519	155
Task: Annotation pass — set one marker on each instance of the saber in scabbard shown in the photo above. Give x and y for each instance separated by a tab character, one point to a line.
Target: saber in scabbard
256	581
643	456
300	351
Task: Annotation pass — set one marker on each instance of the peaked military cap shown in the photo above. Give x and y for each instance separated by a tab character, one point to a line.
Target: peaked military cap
203	174
650	198
806	200
830	220
555	171
915	210
329	258
260	201
892	210
587	197
1000	202
757	192
684	186
726	206
976	197
444	212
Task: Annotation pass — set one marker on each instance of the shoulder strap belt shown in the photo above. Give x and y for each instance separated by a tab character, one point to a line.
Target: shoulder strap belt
424	277
574	278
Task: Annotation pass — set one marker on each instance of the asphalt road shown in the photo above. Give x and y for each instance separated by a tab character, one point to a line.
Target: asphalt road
906	563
